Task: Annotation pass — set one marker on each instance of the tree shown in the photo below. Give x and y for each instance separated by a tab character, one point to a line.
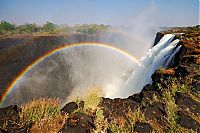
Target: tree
6	26
28	28
49	27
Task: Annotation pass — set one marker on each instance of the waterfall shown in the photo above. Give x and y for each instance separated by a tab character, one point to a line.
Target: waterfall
160	55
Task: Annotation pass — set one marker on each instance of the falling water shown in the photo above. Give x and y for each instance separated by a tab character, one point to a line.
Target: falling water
160	55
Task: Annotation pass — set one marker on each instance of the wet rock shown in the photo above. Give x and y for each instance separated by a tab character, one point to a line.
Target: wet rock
187	122
187	103
78	123
70	107
143	128
159	35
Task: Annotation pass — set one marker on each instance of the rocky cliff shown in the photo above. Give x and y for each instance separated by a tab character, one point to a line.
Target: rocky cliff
19	51
170	104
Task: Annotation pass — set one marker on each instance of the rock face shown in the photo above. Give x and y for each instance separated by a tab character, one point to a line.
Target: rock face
27	48
143	128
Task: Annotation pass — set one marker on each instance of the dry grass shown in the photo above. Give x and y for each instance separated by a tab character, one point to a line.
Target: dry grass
171	109
44	114
126	125
93	97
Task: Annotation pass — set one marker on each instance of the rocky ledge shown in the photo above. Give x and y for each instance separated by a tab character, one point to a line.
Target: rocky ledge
170	104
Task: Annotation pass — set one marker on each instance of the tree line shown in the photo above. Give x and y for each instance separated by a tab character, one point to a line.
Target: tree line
7	28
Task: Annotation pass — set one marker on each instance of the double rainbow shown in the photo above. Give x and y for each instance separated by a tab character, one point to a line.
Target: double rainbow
63	47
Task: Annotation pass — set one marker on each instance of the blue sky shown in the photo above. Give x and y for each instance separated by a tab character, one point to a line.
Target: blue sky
113	12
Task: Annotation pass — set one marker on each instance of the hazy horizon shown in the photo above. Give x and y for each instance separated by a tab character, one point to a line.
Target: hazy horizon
108	12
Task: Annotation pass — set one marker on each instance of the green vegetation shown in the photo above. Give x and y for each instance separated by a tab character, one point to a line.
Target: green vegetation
7	28
171	109
90	29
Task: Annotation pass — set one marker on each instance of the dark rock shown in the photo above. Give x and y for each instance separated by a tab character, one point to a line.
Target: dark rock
181	72
187	122
156	77
136	97
78	123
143	128
159	35
114	108
187	103
155	111
196	87
159	105
70	107
148	96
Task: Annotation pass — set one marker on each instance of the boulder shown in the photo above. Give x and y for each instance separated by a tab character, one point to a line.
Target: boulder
69	107
136	97
78	123
185	102
143	128
181	72
187	122
154	111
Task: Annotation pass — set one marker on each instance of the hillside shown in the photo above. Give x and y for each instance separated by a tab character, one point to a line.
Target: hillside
170	104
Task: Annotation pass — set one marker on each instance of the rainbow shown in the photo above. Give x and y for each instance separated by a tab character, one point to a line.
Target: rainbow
63	47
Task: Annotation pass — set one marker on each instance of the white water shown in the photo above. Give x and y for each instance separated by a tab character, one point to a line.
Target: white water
160	55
